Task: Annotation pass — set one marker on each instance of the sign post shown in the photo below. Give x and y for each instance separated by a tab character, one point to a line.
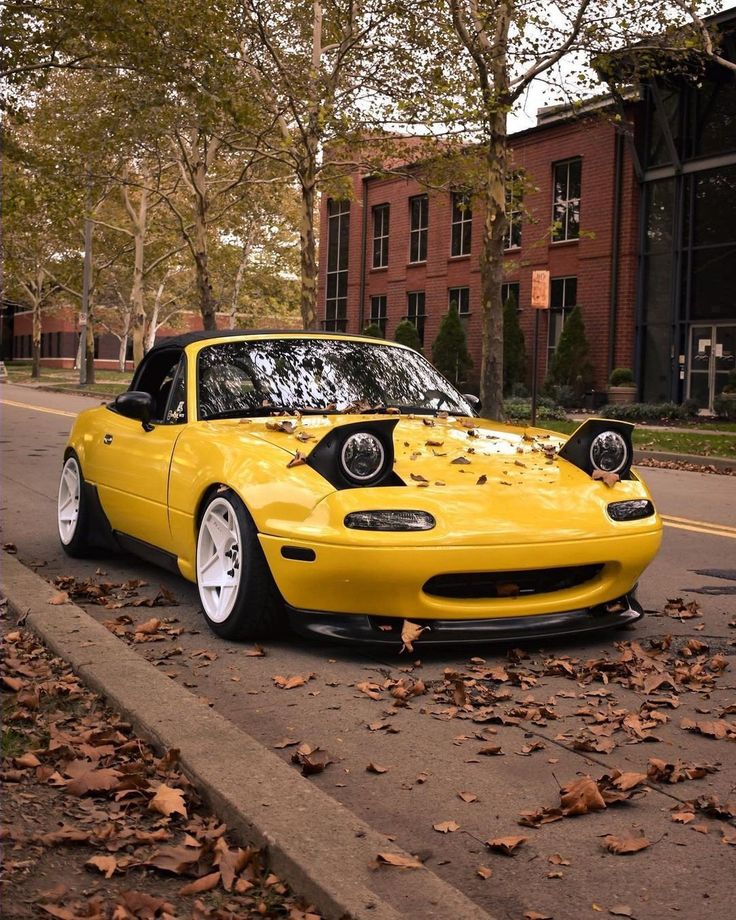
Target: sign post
540	301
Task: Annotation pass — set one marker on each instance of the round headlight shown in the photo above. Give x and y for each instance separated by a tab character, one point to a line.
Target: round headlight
362	456
609	452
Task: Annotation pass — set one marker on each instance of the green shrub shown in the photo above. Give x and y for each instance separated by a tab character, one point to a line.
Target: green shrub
570	364
449	350
373	330
730	386
621	377
514	350
646	412
565	396
520	410
725	406
406	334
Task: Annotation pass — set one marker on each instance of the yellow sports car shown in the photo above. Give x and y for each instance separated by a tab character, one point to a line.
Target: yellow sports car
341	484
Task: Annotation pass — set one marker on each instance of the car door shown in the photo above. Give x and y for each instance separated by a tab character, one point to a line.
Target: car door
130	464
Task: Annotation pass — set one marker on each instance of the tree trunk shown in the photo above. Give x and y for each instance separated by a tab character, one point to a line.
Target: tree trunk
491	269
122	352
89	356
201	254
36	339
244	256
137	303
308	247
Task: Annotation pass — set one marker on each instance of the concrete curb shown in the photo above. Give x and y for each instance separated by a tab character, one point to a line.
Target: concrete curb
317	845
720	463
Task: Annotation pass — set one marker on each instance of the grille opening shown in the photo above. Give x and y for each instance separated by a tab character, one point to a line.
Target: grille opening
510	584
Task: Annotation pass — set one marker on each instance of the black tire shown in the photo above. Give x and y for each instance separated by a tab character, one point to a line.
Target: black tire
258	609
74	539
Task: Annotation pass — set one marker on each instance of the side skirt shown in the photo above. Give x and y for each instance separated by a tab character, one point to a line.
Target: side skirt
147	551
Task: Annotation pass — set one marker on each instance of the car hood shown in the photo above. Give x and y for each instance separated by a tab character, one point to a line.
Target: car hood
474	476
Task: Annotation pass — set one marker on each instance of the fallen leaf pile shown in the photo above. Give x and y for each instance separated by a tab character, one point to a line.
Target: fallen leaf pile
80	784
110	595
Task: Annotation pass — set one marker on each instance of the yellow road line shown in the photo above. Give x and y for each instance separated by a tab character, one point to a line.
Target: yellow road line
20	405
712	532
682	520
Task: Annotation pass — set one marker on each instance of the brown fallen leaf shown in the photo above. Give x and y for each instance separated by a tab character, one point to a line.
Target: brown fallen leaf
481	480
297	460
105	864
168	801
59	598
149	627
460	461
310	759
535	915
610	479
683	817
623	846
290	683
467	797
285	742
556	860
205	883
410	633
505	845
90	780
398	861
256	652
484	872
620	910
491	750
581	797
446	827
376	768
176	860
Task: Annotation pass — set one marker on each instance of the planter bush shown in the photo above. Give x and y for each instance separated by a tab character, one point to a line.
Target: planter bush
646	412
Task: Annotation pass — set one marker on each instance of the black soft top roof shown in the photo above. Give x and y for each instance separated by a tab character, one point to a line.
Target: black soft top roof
186	338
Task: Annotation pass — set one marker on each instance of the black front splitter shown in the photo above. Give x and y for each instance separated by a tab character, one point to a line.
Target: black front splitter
368	629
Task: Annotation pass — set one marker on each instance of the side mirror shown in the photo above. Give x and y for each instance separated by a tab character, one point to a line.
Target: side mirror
136	404
473	400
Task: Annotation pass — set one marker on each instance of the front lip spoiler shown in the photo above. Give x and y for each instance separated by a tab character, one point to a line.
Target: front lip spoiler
365	629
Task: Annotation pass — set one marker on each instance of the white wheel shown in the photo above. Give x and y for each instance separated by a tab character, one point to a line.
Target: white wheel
70	490
219	559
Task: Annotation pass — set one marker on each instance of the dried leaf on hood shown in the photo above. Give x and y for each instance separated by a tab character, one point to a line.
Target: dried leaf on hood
623	846
505	845
460	461
481	480
610	479
417	477
168	801
410	632
434	443
288	427
297	460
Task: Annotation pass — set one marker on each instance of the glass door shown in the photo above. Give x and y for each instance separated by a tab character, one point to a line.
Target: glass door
712	357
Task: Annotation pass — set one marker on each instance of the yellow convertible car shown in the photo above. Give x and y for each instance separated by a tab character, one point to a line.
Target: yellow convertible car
340	484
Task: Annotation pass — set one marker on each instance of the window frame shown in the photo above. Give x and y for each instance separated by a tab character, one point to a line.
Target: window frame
379	318
382	213
336	305
568	202
561	310
413	315
512	233
461	225
418	231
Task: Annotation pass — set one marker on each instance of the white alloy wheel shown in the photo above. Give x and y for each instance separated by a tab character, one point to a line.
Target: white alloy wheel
219	559
70	488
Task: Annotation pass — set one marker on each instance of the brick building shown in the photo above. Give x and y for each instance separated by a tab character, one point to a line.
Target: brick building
398	250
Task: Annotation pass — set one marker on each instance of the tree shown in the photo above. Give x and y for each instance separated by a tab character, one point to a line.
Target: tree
449	350
406	334
514	349
374	330
570	365
509	45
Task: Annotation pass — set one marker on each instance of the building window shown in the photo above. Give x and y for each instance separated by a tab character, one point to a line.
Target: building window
419	212
462	224
379	312
510	291
415	311
460	297
566	209
512	235
380	236
563	297
338	231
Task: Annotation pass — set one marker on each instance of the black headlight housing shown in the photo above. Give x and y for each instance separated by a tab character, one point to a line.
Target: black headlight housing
358	455
633	509
601	444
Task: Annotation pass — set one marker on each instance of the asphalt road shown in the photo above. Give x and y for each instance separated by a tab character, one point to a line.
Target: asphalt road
684	872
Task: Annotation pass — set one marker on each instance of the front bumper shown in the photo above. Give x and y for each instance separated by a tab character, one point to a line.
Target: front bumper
370	629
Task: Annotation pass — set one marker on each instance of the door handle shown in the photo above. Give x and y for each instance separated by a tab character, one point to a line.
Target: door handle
107	439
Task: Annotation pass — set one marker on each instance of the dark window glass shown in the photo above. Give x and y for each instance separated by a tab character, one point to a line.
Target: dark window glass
658	288
462	224
379	312
715	206
176	407
660	209
510	290
338	234
715	103
662	119
237	378
563	297
512	235
419	213
380	235
713	283
566	207
460	297
415	311
656	363
44	345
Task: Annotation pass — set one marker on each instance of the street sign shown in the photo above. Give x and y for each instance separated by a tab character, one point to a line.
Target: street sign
82	319
540	290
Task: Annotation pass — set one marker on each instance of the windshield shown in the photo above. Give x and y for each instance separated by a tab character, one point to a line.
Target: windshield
333	375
